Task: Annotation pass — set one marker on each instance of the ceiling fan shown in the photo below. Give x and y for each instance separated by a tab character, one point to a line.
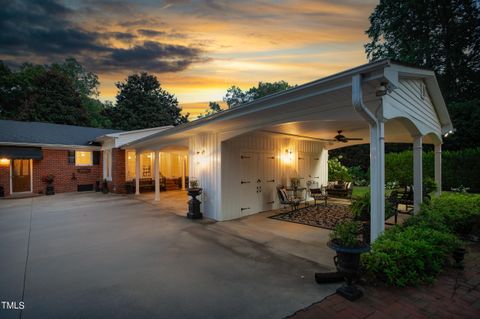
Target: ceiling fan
342	138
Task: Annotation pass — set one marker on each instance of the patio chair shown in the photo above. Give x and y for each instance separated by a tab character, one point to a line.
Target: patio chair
393	200
319	194
287	200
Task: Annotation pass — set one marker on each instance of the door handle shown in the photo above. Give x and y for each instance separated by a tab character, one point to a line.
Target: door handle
271	181
272	202
245	182
317	177
244	208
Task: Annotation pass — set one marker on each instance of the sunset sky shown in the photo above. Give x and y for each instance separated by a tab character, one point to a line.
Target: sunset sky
197	49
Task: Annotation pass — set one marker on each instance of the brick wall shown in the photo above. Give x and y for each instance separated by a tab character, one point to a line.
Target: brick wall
55	162
5	178
117	184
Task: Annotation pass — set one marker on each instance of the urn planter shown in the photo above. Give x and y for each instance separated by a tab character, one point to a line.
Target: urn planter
194	203
347	262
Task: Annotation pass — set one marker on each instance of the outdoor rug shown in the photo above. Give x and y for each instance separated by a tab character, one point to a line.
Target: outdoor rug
320	216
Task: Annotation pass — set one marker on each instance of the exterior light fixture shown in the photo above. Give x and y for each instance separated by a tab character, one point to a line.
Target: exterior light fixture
382	89
449	133
4	161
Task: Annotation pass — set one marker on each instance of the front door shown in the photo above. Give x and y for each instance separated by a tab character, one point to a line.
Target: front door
21	176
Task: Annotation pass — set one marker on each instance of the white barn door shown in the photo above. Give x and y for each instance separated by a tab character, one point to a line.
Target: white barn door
266	175
248	183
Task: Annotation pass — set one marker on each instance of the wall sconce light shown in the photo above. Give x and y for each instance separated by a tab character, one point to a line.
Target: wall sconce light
200	157
287	156
4	161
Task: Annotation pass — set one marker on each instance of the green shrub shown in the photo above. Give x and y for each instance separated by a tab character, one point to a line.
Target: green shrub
405	256
361	207
458	212
337	172
416	251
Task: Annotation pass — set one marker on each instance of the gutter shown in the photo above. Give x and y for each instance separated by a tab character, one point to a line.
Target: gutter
357	101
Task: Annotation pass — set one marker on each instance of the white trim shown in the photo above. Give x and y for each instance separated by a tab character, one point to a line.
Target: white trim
11	178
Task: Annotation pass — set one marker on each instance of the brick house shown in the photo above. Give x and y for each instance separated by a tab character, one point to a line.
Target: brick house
77	157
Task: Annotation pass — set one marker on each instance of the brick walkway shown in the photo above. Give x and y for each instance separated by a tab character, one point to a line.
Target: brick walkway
455	294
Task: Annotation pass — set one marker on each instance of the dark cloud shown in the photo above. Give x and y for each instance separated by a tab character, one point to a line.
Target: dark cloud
151	33
43	30
156	33
151	56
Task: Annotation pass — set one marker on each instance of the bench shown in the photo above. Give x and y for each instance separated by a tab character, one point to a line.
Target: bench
339	189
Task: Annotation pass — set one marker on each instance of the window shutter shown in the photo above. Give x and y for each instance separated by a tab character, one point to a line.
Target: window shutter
71	157
96	157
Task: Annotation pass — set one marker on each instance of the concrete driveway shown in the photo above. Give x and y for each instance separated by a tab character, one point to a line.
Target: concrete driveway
106	256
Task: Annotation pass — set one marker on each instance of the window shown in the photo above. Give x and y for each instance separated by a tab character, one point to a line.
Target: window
146	165
71	157
83	158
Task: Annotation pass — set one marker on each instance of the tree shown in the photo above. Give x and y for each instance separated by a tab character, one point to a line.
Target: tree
21	89
235	96
213	107
142	103
443	35
53	99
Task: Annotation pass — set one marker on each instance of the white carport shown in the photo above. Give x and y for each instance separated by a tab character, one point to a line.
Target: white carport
380	102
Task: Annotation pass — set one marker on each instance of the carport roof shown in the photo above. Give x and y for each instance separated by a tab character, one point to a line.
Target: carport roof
330	96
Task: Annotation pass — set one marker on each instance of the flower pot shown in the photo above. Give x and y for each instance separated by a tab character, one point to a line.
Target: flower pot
347	262
50	190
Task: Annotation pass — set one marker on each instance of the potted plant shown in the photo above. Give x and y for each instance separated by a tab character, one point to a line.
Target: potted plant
48	179
345	241
105	186
194	204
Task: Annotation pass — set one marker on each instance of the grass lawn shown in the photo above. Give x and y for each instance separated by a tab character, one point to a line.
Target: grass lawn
360	191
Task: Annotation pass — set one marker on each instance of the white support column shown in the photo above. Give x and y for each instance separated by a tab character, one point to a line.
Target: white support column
377	181
156	169
137	172
438	168
417	173
183	171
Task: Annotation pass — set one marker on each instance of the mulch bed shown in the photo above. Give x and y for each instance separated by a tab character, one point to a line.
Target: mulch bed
318	216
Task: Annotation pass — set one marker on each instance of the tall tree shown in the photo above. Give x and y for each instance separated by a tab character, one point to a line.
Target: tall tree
439	34
213	107
142	103
53	99
17	90
235	96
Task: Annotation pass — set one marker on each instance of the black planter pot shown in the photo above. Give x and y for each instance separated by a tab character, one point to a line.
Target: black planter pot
97	186
459	256
105	188
50	190
194	203
348	263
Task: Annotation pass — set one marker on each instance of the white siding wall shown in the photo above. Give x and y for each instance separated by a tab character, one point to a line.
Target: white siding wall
406	101
205	165
258	149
